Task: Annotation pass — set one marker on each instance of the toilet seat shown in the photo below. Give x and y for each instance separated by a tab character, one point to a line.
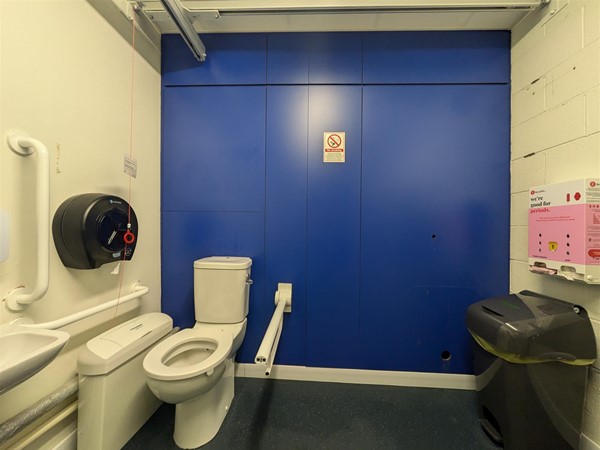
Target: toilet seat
156	361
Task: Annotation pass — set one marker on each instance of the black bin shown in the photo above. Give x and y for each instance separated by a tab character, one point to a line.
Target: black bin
531	354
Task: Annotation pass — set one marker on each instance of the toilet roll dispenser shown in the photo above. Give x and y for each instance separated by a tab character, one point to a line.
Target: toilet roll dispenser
90	230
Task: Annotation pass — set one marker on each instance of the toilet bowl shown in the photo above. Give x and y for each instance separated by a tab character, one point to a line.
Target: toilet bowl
193	369
187	364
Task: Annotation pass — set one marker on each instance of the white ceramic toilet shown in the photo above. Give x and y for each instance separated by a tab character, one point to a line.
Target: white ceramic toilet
194	368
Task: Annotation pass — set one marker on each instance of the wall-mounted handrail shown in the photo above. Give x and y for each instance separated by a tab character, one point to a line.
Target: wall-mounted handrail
137	291
268	347
23	145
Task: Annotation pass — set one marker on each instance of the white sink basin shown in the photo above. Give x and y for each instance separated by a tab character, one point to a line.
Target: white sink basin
26	351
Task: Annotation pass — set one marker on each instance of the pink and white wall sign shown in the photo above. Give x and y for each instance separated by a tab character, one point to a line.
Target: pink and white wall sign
564	229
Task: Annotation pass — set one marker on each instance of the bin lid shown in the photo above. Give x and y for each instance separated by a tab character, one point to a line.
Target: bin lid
115	347
530	327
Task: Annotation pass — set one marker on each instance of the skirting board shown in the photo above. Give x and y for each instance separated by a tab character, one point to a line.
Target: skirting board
356	376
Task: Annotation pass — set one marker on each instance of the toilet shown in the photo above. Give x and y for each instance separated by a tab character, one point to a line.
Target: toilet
193	369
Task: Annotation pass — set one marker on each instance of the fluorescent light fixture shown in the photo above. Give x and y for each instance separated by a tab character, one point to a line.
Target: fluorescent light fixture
185	27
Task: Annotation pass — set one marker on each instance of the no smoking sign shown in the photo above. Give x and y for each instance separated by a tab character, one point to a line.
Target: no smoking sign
334	147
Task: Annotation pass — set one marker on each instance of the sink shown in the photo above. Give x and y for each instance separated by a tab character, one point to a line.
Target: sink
25	351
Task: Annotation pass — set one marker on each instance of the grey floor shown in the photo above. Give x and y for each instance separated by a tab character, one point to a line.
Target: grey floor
278	414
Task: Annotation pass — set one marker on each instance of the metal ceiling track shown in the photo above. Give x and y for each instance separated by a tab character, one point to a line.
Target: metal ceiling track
183	23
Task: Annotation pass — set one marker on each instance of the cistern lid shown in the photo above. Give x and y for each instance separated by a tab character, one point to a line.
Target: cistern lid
223	263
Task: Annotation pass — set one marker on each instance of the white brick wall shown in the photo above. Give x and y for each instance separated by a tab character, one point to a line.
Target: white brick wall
555	134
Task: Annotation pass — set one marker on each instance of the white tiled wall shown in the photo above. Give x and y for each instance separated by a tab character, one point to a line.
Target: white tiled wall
556	137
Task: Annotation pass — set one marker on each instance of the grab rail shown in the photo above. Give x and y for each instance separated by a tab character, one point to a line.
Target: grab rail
268	347
23	145
137	291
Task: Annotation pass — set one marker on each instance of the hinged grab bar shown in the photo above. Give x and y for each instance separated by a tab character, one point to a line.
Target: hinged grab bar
268	347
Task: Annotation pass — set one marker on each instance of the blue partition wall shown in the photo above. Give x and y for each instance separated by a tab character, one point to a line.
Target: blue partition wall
386	251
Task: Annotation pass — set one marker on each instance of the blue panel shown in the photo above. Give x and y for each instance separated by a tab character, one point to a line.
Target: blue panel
410	328
333	230
315	58
230	59
285	246
188	236
435	209
437	57
287	61
382	270
335	58
214	148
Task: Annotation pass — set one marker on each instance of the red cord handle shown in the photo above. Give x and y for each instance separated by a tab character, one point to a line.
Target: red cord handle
129	237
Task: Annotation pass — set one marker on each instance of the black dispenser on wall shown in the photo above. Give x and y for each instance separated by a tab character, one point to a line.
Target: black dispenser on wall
94	229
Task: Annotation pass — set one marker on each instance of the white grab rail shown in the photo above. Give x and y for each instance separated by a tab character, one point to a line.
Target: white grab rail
268	347
23	145
137	291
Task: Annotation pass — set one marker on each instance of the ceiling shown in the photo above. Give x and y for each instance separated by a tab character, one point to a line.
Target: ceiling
257	16
247	16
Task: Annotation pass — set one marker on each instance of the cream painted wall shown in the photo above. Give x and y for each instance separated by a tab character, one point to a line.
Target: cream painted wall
65	78
556	137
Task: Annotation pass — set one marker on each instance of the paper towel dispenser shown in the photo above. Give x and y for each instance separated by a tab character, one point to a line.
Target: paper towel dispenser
94	229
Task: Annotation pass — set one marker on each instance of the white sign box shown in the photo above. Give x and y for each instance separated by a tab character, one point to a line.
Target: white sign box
334	147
